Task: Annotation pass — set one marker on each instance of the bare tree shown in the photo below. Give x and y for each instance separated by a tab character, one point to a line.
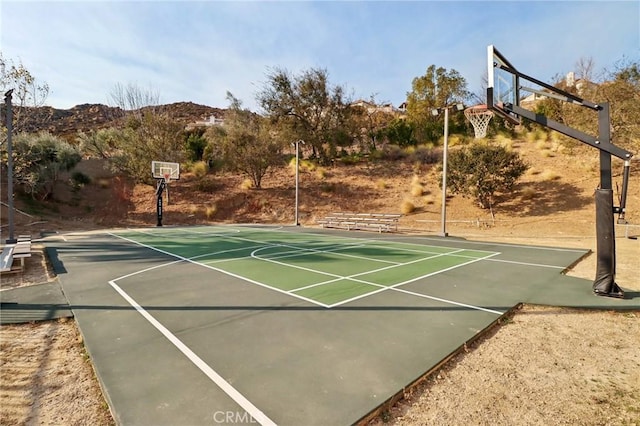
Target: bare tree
132	98
585	67
28	92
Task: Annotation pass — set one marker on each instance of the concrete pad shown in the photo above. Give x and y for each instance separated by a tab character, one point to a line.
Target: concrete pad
40	302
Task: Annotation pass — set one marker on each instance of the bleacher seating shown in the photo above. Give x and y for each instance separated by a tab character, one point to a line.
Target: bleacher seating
381	222
19	250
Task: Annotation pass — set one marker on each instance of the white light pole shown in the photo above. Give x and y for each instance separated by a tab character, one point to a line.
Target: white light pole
9	116
297	144
457	107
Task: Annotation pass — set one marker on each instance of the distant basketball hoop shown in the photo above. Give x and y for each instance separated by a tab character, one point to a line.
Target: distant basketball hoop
479	116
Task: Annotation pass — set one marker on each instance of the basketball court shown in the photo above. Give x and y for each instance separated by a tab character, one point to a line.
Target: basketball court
276	325
294	326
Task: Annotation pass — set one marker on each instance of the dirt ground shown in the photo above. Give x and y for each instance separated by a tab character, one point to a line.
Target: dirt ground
543	365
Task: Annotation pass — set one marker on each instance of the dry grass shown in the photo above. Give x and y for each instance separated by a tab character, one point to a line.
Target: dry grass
407	207
199	169
246	184
417	190
550	175
321	173
429	199
381	184
528	193
104	183
194	209
210	211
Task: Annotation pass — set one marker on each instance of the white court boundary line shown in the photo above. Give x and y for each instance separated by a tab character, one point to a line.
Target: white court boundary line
225	386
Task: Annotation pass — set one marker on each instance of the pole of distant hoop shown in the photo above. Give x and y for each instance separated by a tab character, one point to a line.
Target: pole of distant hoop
444	173
7	100
297	145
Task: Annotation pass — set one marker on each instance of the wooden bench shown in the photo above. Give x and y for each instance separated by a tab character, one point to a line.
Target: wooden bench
381	222
19	250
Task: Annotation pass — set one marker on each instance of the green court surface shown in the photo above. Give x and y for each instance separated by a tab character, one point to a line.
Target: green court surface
287	325
322	269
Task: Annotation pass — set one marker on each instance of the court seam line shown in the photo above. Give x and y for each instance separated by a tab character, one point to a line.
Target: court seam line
225	386
249	280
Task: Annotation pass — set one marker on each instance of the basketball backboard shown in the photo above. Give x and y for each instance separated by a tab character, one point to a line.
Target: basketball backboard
503	89
165	170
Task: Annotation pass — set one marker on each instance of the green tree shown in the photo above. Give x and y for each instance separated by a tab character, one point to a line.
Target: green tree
439	87
130	151
28	92
245	141
38	161
622	91
400	132
480	171
316	111
195	144
103	143
619	87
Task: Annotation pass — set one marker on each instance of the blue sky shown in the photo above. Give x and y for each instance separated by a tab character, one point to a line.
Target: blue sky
197	51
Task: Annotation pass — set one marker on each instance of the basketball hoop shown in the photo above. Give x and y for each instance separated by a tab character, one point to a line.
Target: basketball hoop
165	172
479	116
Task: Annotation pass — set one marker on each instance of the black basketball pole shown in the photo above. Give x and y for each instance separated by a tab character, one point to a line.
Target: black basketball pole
604	283
159	189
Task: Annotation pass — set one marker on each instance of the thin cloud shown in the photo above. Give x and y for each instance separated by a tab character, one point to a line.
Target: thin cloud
197	51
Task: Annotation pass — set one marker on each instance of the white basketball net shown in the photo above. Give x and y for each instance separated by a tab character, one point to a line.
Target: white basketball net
479	118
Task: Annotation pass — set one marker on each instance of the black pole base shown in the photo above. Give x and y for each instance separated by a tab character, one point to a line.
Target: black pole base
614	291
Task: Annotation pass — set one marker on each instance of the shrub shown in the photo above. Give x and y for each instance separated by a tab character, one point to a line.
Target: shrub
393	153
480	171
550	175
407	207
210	211
246	184
199	168
429	199
381	184
426	155
528	193
80	179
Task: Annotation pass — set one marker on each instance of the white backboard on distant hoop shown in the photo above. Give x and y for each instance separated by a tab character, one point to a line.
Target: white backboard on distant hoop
165	170
502	86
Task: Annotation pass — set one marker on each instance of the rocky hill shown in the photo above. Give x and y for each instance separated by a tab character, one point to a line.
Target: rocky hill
87	117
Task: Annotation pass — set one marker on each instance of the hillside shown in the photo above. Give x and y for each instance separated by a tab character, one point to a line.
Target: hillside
556	193
86	117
